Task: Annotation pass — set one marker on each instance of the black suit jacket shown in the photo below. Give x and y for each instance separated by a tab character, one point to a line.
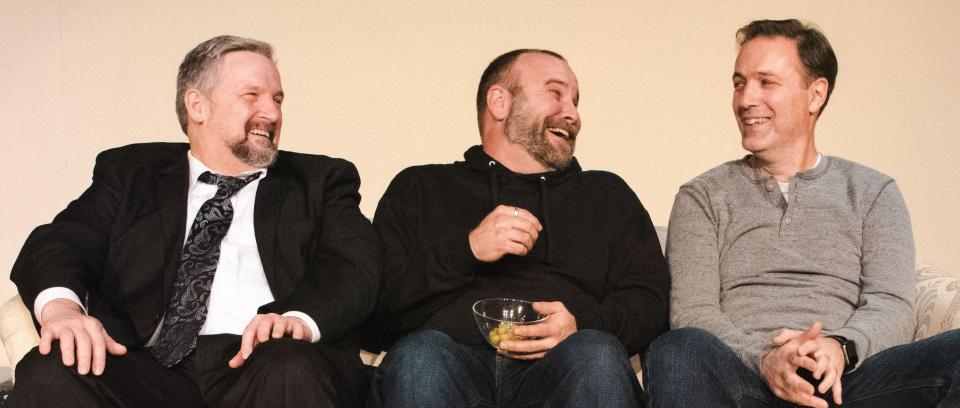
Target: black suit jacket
117	245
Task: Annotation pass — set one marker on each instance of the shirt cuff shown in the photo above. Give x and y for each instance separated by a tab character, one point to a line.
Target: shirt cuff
50	294
312	325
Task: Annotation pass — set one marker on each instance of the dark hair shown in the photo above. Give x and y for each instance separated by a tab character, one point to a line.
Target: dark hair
814	49
499	72
197	66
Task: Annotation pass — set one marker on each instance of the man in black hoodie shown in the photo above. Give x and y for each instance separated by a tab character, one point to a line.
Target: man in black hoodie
517	218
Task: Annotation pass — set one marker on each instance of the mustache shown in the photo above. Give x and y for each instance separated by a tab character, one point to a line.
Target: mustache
570	128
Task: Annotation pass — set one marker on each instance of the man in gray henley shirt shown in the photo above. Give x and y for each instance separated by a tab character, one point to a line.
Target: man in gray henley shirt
793	271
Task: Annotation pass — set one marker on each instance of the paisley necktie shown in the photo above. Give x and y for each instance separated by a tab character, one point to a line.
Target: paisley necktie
187	308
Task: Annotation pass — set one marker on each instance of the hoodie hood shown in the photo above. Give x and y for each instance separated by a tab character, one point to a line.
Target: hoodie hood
500	176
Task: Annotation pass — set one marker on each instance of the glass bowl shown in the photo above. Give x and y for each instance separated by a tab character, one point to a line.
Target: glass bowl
496	318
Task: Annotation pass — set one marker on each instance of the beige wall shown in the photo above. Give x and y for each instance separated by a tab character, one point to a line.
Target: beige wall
391	84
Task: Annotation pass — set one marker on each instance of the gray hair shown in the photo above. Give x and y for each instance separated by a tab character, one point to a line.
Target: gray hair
197	69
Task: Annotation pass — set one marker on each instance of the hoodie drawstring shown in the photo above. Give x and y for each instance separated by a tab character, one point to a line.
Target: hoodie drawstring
545	221
546	218
494	192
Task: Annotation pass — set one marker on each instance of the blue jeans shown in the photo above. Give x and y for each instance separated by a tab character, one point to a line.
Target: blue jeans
428	369
693	368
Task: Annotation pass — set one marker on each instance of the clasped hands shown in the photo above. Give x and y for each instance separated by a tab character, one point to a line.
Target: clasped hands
84	341
795	349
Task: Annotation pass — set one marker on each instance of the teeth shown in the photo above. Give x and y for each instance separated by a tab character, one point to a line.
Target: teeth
559	132
259	132
755	121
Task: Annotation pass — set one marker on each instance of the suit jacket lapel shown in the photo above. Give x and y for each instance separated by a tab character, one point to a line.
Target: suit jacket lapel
172	184
266	213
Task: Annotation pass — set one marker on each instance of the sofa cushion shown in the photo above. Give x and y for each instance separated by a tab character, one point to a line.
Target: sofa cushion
938	301
17	331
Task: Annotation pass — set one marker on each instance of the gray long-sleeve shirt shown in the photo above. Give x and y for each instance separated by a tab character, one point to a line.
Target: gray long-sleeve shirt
746	263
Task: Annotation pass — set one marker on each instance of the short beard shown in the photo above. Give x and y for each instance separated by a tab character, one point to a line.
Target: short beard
257	158
523	129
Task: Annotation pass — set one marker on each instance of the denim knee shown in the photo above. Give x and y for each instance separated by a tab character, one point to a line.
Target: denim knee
420	350
590	368
424	369
941	350
683	350
945	343
421	355
591	351
691	367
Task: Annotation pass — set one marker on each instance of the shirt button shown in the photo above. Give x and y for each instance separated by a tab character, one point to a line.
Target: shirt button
786	220
769	186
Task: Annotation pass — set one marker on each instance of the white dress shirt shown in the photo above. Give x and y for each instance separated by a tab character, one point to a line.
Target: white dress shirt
239	286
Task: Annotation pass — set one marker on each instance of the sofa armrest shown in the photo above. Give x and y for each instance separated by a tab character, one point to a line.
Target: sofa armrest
938	301
17	331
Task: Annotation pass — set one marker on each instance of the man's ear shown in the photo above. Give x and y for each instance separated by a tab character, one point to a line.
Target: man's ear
818	94
197	105
499	101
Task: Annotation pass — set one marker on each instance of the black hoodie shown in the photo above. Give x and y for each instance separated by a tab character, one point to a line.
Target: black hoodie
598	252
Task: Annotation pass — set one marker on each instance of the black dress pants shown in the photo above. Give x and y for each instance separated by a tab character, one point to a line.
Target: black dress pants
279	373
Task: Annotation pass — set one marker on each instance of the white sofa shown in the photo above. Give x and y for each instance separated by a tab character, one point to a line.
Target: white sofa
937	310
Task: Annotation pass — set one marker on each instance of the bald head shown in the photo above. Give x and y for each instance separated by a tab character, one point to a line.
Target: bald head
500	72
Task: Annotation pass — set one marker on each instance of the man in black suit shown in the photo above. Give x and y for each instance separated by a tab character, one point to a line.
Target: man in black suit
220	273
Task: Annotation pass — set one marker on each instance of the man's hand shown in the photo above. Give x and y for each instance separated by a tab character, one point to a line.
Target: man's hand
506	230
779	367
82	338
262	328
828	354
559	325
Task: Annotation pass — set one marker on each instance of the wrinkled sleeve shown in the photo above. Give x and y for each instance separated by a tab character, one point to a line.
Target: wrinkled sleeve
420	273
340	284
693	253
67	252
884	317
636	307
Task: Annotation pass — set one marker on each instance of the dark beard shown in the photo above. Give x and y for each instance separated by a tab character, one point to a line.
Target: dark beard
524	130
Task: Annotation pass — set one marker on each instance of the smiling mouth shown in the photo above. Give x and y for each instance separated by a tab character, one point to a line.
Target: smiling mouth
260	132
561	133
755	121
